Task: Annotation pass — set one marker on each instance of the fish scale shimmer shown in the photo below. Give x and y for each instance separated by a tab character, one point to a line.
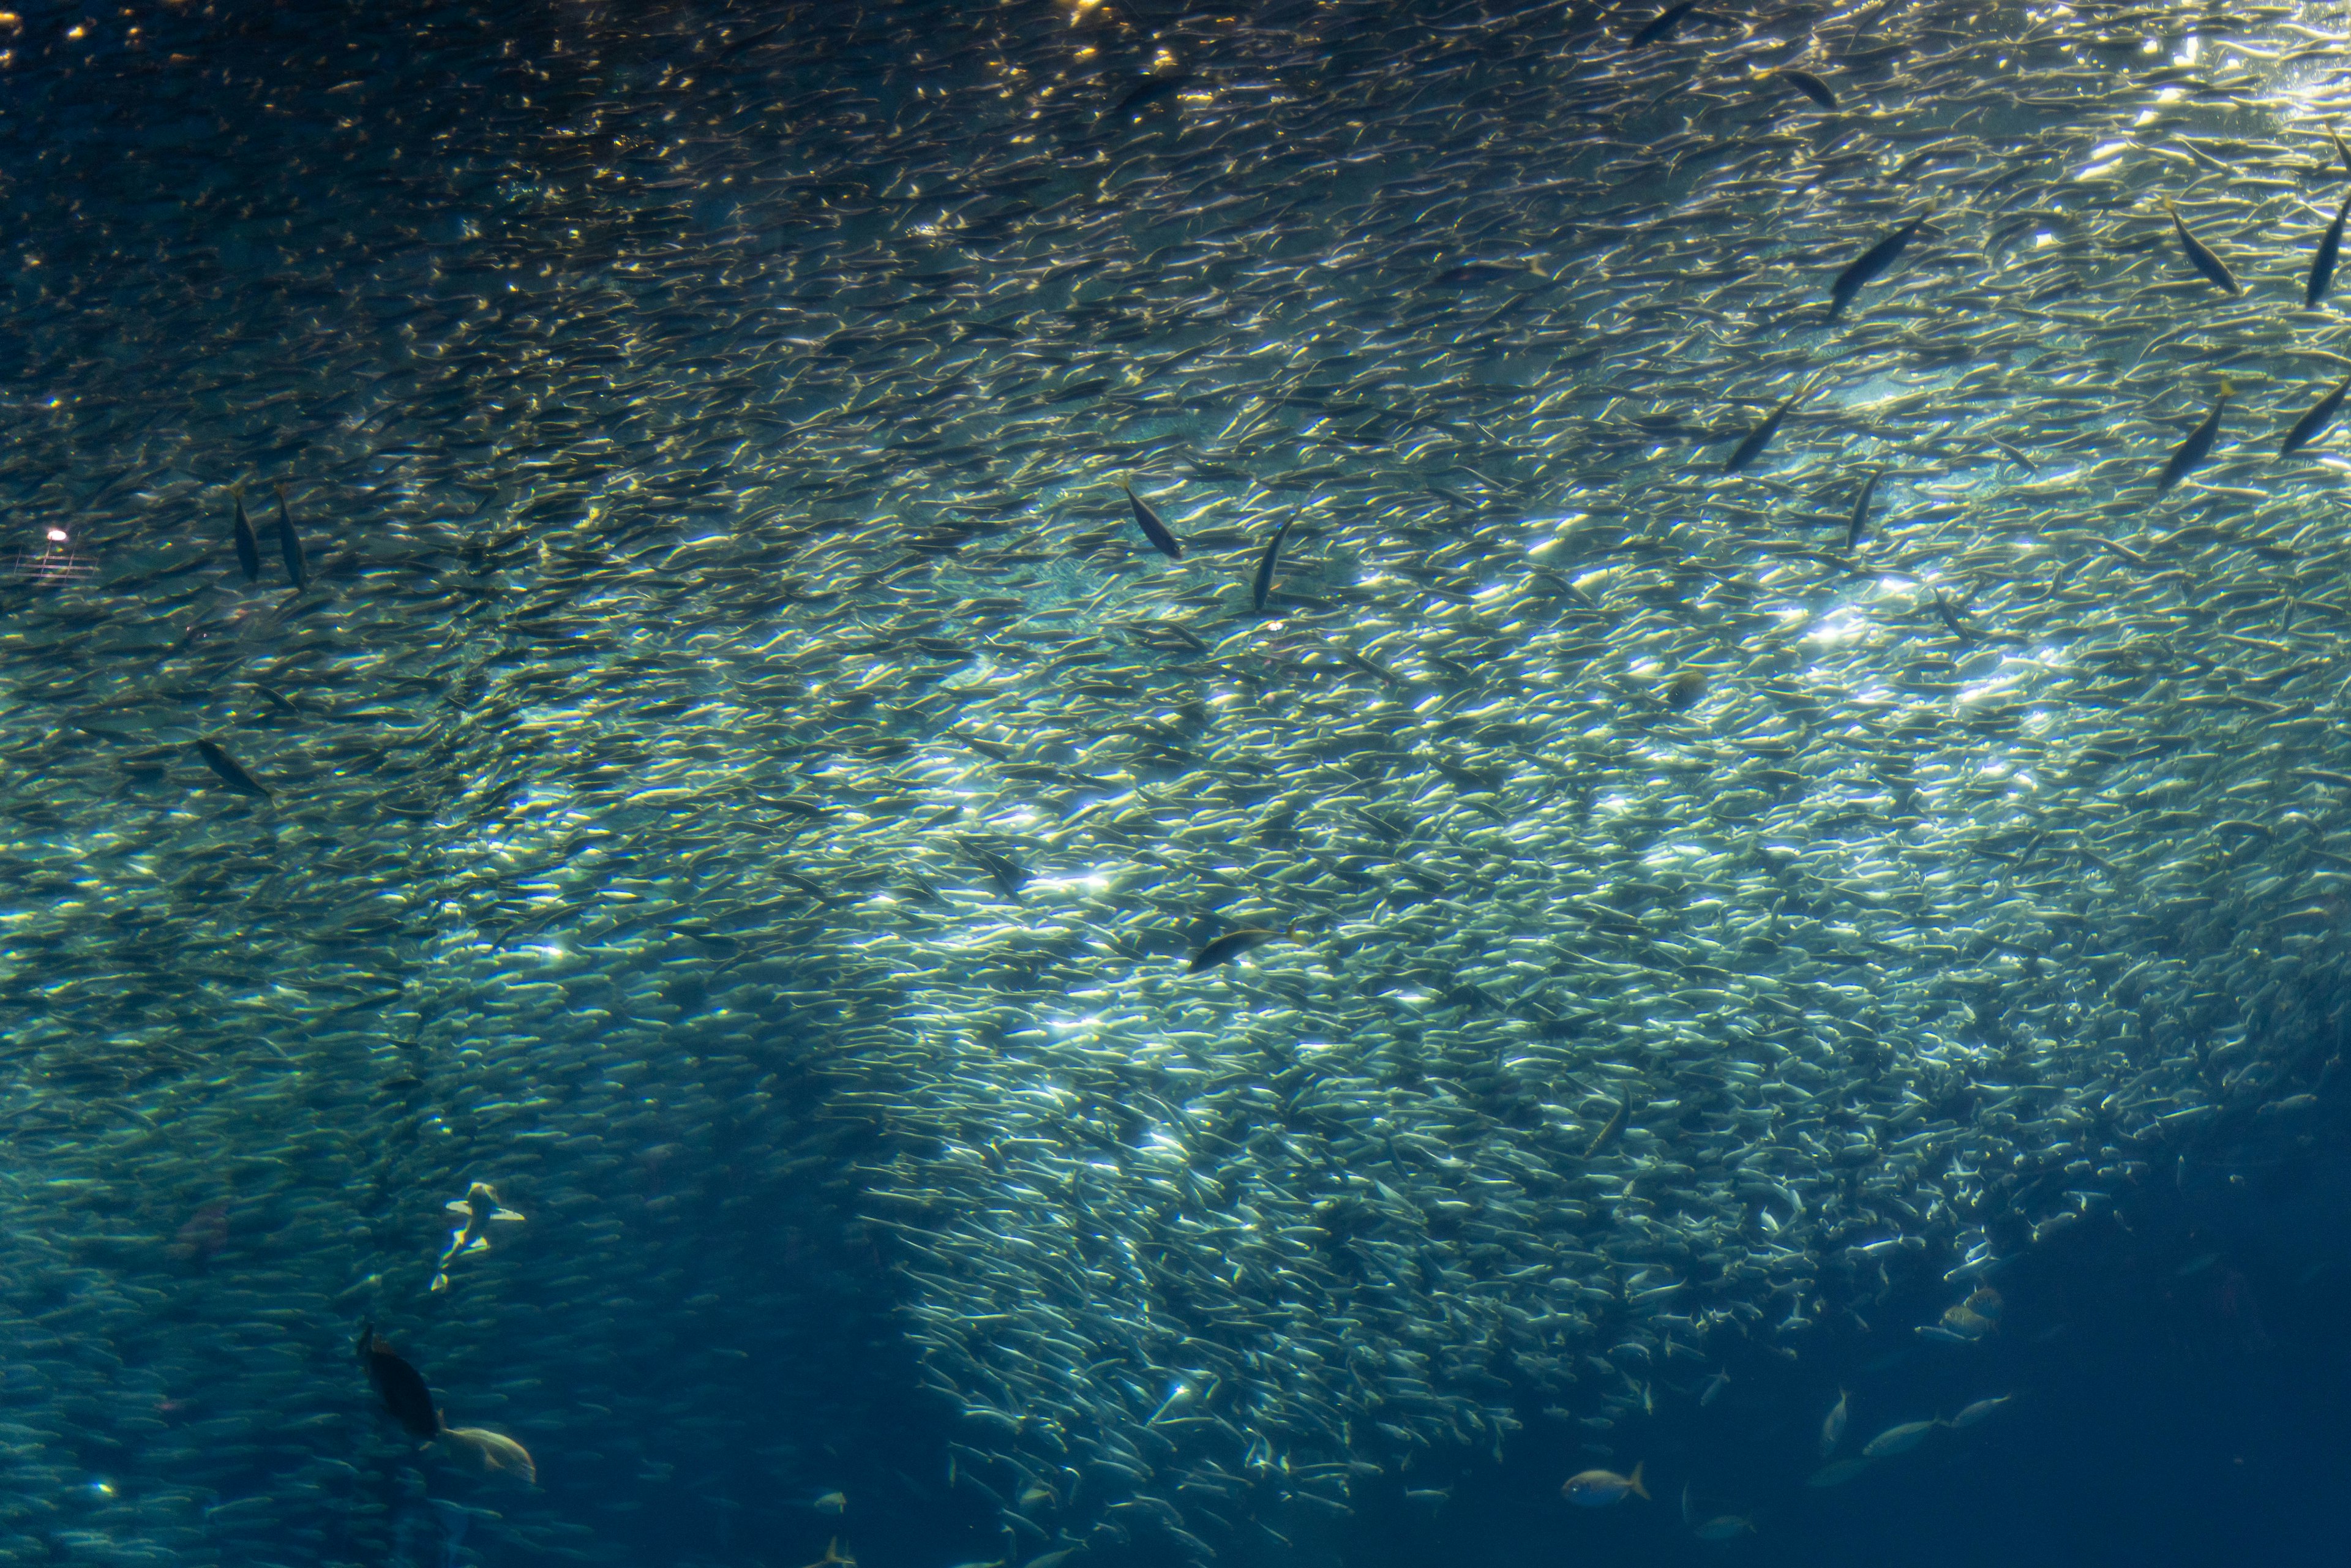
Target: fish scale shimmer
739	778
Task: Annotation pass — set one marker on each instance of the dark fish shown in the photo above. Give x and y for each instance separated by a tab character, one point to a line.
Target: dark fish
1870	264
1663	22
1009	876
1602	1139
1751	446
234	777
1262	584
400	1386
1232	946
2200	254
2191	452
248	548
2311	424
1860	523
2339	148
1950	618
1810	86
1378	672
2322	266
1150	91
296	565
1154	530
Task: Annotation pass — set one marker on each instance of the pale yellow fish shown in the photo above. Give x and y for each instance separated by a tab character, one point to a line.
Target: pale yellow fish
481	1210
1898	1440
496	1451
1833	1425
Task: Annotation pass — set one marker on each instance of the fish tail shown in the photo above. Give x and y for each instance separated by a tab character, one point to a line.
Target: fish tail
1634	1482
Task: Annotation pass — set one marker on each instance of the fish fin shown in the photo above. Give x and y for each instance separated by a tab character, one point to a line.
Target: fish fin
478	1244
1634	1482
440	1281
455	1206
507	1214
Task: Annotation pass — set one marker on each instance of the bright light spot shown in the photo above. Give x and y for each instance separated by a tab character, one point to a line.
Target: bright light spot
1838	627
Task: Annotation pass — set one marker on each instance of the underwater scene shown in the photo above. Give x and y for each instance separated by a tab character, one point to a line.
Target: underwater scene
1143	783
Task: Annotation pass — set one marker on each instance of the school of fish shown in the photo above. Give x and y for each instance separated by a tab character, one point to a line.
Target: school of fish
1308	728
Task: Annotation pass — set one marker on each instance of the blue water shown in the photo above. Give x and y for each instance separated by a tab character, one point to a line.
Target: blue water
460	276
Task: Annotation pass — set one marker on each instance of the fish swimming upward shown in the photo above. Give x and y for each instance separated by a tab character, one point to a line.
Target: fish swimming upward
477	1211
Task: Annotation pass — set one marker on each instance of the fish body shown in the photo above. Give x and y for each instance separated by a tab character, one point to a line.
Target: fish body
400	1386
1151	91
1598	1488
494	1451
1165	542
1263	584
2201	256
289	545
1810	86
1870	263
1898	1440
1981	1409
230	772
1859	522
1232	946
248	548
1663	22
2198	445
1832	1424
2322	266
1009	875
1713	1389
2308	427
1608	1133
1751	445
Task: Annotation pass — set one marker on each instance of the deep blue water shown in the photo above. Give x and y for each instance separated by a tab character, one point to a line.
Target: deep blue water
225	220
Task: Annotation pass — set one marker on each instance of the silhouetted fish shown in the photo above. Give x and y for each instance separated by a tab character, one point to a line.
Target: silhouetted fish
400	1386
